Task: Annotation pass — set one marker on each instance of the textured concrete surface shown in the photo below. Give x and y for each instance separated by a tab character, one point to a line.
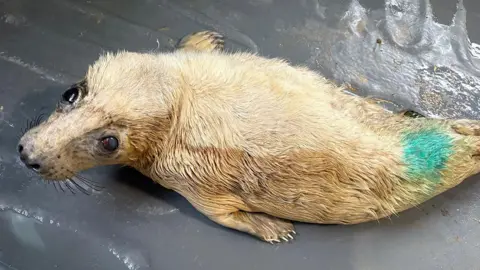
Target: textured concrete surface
416	55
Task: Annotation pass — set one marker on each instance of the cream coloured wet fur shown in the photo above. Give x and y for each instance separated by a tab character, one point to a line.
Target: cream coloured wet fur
251	142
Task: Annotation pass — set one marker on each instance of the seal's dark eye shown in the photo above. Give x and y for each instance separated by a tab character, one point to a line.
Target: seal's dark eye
71	95
110	143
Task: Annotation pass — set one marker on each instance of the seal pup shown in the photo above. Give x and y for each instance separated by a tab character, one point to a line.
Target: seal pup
252	143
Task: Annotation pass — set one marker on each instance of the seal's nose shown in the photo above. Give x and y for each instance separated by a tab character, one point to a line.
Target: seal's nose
27	158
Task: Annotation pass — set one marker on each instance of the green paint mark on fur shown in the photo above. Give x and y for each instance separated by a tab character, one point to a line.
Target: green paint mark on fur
426	152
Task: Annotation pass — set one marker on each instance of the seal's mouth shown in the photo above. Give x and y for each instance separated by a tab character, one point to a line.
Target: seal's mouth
74	182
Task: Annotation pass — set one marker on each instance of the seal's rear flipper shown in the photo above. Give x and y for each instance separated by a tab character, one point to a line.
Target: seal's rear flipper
467	127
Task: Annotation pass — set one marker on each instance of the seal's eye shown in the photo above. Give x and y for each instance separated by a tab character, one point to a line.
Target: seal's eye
110	143
71	95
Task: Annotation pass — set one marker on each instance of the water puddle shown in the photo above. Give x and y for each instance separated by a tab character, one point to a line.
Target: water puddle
401	54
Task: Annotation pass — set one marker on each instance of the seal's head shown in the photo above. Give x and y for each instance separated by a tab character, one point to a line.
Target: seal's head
118	114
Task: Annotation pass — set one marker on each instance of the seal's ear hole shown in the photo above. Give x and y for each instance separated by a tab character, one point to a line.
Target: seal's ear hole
71	95
109	143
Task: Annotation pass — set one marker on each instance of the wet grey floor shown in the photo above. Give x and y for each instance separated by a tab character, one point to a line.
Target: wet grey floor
395	50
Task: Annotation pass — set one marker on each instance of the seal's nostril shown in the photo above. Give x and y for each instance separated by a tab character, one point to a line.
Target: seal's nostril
35	166
31	161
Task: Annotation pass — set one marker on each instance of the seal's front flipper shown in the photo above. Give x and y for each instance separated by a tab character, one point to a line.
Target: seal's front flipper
202	41
467	127
263	226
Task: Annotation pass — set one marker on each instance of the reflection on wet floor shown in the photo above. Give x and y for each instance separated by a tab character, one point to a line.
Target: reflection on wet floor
418	64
